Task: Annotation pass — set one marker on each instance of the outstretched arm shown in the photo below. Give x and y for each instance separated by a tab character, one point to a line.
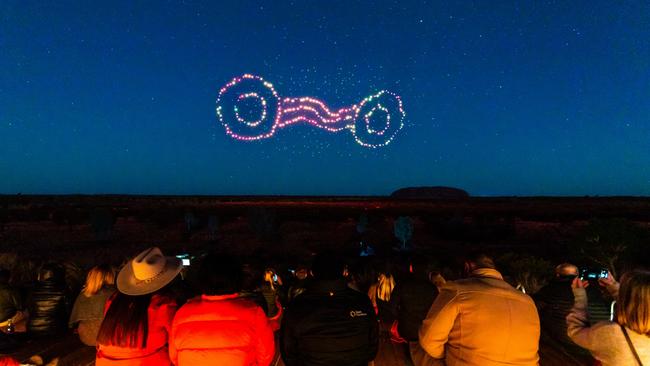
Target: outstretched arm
578	327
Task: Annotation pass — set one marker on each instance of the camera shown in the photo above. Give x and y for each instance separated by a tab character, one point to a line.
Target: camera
593	273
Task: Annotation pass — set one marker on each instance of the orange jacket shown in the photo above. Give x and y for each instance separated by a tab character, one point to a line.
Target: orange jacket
221	330
160	314
482	321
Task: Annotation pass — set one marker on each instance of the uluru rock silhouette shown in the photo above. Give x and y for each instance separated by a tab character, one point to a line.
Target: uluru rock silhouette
430	193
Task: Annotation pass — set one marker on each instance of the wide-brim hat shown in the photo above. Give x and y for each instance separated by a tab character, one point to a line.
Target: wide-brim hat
148	272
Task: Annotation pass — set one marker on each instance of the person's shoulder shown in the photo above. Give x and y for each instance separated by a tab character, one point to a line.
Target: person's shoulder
606	330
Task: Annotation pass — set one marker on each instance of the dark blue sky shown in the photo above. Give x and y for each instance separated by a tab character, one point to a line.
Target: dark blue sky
501	98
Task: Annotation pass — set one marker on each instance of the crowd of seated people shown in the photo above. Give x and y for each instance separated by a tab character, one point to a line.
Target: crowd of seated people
335	311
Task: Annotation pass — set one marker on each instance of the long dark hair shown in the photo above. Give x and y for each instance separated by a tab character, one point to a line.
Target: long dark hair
126	323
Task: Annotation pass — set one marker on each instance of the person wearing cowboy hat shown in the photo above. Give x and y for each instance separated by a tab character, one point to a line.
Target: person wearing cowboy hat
138	317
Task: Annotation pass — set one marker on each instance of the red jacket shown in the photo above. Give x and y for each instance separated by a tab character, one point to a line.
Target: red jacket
221	330
160	314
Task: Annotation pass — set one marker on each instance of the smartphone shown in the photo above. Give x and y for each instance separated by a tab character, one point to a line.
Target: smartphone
593	273
275	277
185	259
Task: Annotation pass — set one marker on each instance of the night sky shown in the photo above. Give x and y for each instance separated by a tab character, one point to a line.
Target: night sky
501	98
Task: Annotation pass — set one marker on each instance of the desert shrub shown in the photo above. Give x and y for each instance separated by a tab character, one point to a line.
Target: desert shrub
611	243
529	271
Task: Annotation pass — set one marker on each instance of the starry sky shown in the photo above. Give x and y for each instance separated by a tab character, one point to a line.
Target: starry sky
501	97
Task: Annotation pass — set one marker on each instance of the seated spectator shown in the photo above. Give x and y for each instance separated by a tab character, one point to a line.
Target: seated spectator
220	327
139	316
13	314
361	276
413	297
329	323
625	341
480	321
555	300
270	288
382	295
300	282
48	303
88	310
13	317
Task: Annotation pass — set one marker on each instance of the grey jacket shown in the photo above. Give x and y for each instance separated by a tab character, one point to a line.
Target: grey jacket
605	340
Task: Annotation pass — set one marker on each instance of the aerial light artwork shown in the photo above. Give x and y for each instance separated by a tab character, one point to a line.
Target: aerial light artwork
250	109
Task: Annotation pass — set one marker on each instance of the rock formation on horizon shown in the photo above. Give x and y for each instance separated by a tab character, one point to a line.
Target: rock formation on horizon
430	193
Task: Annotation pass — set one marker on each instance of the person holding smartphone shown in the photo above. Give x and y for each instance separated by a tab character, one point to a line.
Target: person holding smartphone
624	341
270	289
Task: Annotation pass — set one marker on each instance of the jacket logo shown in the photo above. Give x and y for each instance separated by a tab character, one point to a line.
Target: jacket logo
356	313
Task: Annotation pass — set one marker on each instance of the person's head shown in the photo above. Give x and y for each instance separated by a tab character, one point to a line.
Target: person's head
633	303
385	286
251	277
302	273
51	272
98	277
5	276
126	322
566	270
220	275
478	260
270	277
328	266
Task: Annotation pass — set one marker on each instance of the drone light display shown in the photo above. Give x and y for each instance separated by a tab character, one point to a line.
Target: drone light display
234	107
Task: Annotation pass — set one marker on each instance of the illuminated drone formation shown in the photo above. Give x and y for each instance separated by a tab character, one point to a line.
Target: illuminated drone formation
235	98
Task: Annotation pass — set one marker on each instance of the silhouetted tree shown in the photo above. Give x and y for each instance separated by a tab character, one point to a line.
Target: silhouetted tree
403	229
611	243
191	222
213	227
362	224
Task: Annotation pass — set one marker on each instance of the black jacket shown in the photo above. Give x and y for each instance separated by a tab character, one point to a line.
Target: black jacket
555	300
48	309
10	302
329	325
413	298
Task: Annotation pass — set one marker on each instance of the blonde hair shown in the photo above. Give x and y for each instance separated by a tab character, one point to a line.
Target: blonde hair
633	303
385	287
98	277
268	277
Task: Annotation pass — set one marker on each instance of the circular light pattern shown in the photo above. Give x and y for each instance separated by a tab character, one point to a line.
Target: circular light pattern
228	108
368	117
262	102
276	113
393	113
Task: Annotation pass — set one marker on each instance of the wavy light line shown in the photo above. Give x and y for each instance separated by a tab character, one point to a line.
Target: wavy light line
288	111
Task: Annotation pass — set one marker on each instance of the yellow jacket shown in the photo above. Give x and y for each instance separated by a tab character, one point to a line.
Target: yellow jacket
482	321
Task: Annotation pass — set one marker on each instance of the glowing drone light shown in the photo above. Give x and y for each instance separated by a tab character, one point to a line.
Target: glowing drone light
278	113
